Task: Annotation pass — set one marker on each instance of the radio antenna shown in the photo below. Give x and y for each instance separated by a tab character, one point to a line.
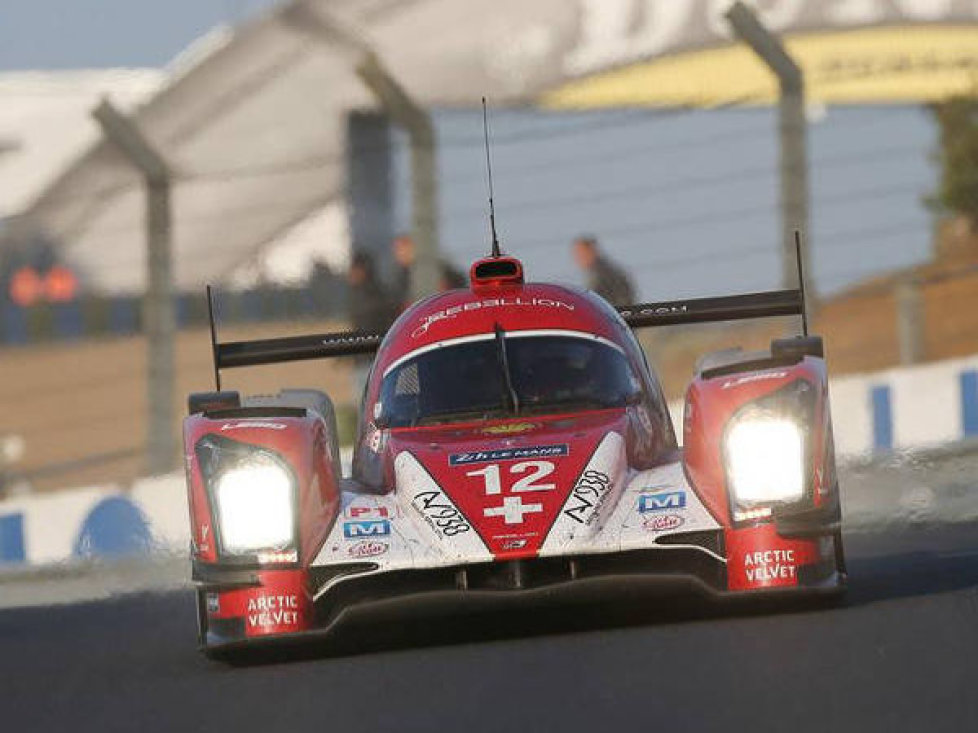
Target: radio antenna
492	207
801	283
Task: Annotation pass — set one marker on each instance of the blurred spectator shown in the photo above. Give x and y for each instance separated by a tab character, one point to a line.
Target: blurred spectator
370	307
449	277
26	287
603	276
371	310
41	279
11	451
328	289
403	250
60	285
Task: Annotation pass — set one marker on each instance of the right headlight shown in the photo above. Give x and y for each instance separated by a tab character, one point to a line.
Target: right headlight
766	452
765	463
255	506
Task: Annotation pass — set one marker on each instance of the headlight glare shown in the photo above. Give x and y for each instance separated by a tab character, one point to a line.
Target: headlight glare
254	506
765	462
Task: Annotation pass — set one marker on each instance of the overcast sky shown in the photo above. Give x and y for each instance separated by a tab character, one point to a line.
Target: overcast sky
71	34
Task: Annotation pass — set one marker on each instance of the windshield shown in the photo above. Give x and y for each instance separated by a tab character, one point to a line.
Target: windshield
468	381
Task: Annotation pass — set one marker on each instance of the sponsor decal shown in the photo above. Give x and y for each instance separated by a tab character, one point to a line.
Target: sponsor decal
663	522
368	548
590	499
660	310
203	544
518	544
508	454
474	305
213	603
376	439
349	340
748	378
432	510
769	565
254	424
662	501
588	495
645	419
269	557
748	514
370	512
513	428
366	528
273	611
440	514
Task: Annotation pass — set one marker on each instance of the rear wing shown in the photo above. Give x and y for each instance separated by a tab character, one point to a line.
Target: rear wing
712	310
643	315
233	354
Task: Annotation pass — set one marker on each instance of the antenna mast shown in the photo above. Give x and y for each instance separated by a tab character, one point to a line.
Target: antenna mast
801	283
492	208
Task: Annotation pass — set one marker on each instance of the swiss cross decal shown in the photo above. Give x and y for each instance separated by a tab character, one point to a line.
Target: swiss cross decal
512	510
522	477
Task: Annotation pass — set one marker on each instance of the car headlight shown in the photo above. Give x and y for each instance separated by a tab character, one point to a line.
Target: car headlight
254	506
765	464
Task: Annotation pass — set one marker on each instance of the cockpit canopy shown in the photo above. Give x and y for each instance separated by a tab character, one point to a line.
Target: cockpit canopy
500	374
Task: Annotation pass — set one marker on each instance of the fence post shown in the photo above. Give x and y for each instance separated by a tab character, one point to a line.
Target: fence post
910	321
407	113
159	312
792	138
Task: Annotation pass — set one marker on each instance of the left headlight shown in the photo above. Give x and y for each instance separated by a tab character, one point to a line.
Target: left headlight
765	464
254	506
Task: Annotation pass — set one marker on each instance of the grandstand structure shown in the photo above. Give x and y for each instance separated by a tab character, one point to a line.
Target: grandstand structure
255	124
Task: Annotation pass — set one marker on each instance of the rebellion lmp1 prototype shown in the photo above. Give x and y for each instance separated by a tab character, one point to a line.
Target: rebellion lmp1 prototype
513	443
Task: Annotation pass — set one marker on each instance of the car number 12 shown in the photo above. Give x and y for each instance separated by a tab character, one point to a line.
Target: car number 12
535	472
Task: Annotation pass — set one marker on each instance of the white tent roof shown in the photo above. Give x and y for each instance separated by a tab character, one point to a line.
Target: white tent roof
255	132
45	123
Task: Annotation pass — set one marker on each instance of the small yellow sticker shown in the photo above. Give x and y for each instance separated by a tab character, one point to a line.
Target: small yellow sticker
509	428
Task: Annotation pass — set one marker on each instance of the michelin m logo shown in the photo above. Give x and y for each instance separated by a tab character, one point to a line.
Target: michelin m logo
661	502
366	528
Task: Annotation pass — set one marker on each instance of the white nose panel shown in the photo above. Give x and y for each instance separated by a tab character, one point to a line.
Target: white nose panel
592	500
435	514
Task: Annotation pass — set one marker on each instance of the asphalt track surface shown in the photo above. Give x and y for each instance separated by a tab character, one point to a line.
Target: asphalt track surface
901	654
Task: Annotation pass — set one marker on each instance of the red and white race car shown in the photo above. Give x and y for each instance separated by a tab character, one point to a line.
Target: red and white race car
513	441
